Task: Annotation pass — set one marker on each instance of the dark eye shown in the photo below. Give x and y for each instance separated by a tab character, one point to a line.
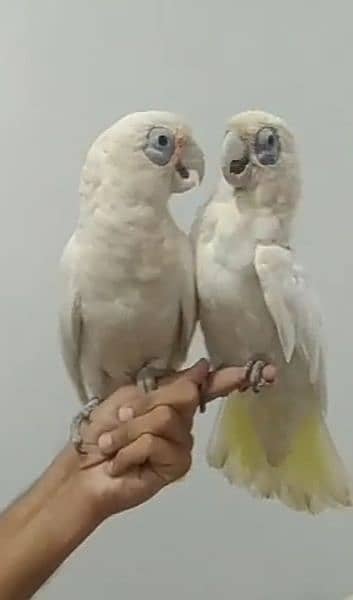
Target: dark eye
163	140
267	146
160	145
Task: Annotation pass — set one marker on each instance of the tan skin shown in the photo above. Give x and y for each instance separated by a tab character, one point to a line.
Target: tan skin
136	445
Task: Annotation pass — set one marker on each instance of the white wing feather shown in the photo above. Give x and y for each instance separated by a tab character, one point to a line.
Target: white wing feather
70	319
292	305
188	302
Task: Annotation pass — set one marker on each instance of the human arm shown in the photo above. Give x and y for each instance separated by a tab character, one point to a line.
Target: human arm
150	447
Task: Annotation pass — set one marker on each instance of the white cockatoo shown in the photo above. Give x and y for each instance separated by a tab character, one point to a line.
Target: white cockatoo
128	306
256	307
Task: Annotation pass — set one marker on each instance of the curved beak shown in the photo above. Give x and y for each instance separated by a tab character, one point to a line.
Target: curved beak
189	165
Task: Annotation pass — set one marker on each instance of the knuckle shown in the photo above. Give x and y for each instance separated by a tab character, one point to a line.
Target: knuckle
119	438
192	392
110	407
113	466
165	415
119	458
185	464
139	396
111	414
128	397
126	394
119	395
148	441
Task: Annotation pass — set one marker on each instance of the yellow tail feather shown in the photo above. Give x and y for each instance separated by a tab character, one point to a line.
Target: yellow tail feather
311	477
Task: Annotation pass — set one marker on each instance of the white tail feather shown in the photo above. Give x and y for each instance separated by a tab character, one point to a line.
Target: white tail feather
311	477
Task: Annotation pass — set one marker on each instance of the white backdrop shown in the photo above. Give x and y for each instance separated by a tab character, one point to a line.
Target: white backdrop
68	70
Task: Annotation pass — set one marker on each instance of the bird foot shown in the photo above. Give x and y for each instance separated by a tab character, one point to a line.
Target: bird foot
83	416
254	374
147	378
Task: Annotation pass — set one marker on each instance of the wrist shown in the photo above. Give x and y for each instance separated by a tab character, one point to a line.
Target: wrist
77	513
40	537
85	487
65	464
17	515
77	489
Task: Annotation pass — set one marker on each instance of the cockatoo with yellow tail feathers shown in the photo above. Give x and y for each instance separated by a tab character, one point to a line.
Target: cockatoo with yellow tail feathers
256	307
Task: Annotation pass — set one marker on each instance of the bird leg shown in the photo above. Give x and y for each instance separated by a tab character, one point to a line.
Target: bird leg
83	416
147	378
254	374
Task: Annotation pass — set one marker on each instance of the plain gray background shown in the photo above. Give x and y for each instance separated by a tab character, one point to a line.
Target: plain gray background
68	70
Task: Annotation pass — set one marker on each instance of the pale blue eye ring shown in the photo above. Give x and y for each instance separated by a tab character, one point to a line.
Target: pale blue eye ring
267	146
160	145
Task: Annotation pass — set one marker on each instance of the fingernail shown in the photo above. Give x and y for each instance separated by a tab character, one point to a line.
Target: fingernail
105	441
125	413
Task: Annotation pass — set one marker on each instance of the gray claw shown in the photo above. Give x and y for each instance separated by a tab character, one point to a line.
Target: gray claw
75	428
147	378
254	369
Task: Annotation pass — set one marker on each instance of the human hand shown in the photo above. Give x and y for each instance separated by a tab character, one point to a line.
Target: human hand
138	443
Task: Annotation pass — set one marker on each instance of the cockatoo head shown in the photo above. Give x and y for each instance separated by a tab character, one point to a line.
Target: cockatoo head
151	153
259	157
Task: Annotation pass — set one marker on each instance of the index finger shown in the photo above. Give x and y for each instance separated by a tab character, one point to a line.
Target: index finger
182	394
227	380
